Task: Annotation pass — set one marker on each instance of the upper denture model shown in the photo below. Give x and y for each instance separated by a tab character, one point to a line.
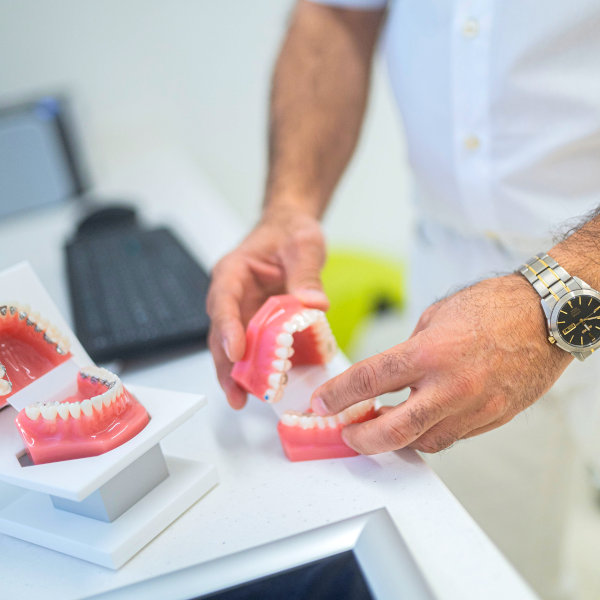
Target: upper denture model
281	335
29	348
99	417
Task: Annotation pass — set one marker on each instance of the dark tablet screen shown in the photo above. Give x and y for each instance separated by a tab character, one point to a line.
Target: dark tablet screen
334	577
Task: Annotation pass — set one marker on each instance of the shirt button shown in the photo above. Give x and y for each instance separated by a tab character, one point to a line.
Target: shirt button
470	28
472	142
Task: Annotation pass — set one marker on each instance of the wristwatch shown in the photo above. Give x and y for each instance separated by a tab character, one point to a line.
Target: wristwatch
571	306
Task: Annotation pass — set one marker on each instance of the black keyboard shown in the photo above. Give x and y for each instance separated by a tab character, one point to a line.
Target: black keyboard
135	291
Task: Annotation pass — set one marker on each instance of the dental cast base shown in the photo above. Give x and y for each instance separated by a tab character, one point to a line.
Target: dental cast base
281	335
98	417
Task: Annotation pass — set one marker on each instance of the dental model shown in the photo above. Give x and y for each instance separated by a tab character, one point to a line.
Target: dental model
99	417
284	334
29	348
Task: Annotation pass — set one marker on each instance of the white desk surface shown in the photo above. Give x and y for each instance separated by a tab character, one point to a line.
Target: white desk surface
261	496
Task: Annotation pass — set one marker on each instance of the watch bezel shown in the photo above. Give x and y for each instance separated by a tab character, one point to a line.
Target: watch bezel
553	321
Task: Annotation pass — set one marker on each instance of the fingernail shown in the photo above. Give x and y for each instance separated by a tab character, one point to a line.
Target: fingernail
345	440
318	406
308	295
226	348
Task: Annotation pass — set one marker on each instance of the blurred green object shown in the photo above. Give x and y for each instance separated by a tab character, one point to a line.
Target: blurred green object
360	284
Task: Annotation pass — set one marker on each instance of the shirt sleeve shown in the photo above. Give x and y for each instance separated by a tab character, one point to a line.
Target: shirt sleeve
364	4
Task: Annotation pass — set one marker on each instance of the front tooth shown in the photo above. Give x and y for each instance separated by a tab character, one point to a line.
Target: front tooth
5	387
275	380
290	327
290	419
331	421
342	418
320	422
97	403
284	352
270	395
106	399
285	339
306	422
301	321
48	412
87	408
63	411
32	411
75	409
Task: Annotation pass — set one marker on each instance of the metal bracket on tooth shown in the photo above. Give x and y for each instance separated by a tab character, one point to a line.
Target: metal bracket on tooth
5	383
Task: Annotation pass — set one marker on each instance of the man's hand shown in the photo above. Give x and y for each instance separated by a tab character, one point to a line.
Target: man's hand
475	360
283	254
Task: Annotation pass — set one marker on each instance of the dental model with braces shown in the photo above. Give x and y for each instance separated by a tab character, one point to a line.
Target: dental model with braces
26	338
284	334
100	416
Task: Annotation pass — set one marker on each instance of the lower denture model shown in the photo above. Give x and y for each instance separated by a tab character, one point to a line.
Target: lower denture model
100	416
281	335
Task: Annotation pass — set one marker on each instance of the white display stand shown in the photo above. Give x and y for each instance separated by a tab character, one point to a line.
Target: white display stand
103	508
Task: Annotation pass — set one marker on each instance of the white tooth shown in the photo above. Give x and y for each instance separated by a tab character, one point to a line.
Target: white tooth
106	399
331	421
311	315
289	420
341	417
306	422
87	408
275	380
270	395
5	387
279	365
285	339
32	411
283	352
75	409
301	321
97	402
289	327
320	422
48	412
63	411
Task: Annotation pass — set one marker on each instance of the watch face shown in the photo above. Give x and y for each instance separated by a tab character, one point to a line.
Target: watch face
579	321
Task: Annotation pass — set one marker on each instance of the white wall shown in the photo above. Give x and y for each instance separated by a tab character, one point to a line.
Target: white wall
196	74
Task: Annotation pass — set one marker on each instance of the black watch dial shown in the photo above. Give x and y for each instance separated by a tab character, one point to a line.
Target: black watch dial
579	321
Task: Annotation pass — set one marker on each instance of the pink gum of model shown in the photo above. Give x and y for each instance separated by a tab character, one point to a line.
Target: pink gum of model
316	444
253	371
79	427
311	345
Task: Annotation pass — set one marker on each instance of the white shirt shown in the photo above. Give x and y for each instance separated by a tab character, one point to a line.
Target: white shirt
501	106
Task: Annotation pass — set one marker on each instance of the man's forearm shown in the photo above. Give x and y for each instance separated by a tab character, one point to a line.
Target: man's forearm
318	100
579	252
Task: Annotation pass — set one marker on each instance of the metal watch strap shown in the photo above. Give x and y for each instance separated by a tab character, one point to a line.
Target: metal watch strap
551	282
548	278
